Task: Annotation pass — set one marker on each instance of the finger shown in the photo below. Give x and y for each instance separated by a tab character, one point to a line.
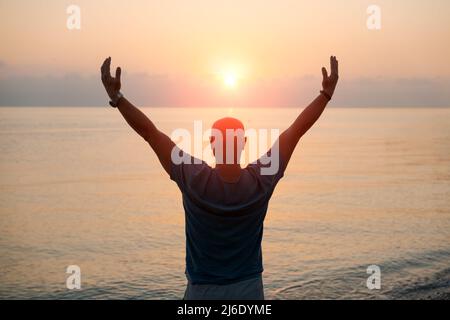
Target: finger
104	72
108	67
118	73
333	65
324	73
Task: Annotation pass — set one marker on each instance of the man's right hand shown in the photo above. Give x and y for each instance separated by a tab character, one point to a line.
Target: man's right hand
112	85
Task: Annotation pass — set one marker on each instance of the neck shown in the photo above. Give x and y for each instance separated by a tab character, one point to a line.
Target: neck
229	172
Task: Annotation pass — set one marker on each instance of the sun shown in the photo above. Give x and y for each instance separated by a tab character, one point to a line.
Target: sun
230	75
230	80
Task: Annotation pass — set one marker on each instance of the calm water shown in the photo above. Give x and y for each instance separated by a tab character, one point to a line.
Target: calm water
365	186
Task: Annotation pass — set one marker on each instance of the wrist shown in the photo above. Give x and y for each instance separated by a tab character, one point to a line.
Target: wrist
326	94
115	99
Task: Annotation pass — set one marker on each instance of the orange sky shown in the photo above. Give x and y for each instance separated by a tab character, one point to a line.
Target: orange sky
195	40
269	38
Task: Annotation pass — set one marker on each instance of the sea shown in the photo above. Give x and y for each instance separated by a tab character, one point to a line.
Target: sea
363	211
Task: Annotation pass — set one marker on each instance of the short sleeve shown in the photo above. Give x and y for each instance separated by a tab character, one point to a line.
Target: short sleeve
270	168
184	168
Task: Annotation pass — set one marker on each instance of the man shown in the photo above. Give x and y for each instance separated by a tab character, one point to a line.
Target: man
224	206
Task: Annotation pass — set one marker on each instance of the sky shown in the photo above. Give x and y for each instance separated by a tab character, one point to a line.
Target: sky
207	53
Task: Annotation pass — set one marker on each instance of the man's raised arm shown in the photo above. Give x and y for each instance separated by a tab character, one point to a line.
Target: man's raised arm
160	143
289	138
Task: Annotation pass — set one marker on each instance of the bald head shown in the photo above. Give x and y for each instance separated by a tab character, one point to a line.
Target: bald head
227	123
228	136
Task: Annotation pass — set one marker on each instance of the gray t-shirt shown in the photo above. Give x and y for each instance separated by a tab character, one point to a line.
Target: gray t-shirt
224	221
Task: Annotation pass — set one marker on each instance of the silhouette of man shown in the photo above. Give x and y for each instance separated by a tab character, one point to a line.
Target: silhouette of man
224	206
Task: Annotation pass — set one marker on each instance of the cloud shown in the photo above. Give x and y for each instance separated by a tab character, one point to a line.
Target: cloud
165	91
70	90
394	92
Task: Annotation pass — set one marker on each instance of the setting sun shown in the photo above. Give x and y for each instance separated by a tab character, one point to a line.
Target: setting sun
230	80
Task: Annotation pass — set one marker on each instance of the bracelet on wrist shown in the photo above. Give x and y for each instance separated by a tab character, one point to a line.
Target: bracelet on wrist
115	102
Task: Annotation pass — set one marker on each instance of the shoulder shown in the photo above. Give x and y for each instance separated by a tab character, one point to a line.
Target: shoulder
268	169
186	168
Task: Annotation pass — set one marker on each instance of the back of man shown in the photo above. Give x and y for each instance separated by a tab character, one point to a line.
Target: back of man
224	229
225	207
